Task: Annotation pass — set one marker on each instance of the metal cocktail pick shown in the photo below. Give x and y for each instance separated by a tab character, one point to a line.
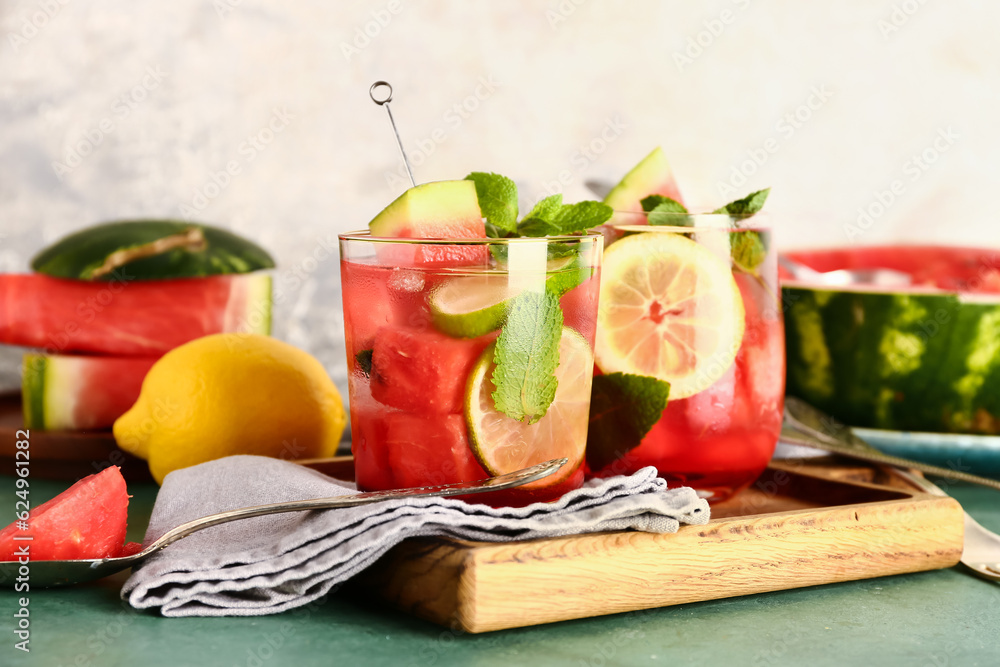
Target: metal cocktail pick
384	102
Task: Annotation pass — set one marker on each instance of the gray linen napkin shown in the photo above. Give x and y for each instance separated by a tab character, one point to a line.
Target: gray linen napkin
269	564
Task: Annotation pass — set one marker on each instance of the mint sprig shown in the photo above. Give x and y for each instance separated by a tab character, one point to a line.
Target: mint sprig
749	205
526	356
623	408
498	202
747	248
663	210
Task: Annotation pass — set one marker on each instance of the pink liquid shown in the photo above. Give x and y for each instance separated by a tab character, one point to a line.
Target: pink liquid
408	427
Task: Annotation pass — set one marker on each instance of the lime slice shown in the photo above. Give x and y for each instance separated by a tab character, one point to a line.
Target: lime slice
503	445
670	309
471	306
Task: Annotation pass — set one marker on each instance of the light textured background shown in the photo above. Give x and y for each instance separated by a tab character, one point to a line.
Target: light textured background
113	109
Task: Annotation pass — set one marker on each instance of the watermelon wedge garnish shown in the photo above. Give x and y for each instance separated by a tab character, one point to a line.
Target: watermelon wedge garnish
652	176
87	520
79	392
129	318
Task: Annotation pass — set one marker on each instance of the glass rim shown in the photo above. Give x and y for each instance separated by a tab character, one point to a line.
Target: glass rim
688	229
590	235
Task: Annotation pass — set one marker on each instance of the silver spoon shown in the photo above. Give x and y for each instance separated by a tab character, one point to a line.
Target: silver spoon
53	573
844	277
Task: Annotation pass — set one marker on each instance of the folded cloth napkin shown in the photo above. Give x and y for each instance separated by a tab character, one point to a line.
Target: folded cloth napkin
269	564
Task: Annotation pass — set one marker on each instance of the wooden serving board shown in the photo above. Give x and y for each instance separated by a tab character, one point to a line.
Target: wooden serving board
800	525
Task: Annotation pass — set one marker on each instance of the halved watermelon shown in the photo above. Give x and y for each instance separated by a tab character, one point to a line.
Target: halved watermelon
918	358
87	520
150	250
652	176
71	392
129	318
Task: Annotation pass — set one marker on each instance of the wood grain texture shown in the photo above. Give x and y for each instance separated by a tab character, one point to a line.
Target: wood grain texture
799	526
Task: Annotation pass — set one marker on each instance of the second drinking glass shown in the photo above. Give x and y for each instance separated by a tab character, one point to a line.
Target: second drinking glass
693	301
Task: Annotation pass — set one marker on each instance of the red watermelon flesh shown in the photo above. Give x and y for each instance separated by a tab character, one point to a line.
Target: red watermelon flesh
422	370
968	270
430	449
129	318
76	392
88	520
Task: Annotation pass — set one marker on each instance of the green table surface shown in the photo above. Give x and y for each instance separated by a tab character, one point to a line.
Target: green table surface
943	617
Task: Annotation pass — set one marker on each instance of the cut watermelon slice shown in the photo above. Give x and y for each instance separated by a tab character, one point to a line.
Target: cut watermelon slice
68	392
129	318
423	371
437	210
652	176
87	520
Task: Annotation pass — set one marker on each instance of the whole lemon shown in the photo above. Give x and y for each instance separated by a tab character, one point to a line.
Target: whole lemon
232	394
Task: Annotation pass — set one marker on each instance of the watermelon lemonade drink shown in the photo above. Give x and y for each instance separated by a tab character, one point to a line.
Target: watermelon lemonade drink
690	301
469	357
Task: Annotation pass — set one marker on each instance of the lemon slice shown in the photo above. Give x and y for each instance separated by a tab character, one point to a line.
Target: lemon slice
670	309
471	306
503	445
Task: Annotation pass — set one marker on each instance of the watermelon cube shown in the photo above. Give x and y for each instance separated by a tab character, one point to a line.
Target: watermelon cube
430	449
421	370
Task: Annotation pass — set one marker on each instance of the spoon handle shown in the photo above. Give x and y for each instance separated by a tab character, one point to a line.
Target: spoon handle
498	483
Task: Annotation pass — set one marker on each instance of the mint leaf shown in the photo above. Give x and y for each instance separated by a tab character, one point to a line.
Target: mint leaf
539	221
546	208
497	200
662	203
550	217
623	408
748	250
747	206
526	356
581	216
536	227
364	361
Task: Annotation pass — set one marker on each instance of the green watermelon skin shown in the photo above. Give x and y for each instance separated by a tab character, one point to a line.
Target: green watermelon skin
83	255
919	361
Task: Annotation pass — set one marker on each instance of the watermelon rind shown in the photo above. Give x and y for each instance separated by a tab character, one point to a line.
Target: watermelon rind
33	390
430	210
914	361
252	309
182	250
48	386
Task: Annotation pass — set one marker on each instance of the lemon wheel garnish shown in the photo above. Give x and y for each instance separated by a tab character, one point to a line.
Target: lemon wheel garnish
669	309
503	445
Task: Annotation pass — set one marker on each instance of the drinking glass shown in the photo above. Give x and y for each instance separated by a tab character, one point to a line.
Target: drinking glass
431	325
693	300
